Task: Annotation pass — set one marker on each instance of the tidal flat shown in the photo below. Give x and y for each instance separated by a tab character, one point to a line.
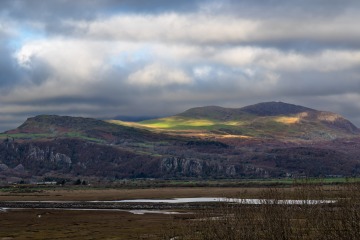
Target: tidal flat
42	223
63	224
100	224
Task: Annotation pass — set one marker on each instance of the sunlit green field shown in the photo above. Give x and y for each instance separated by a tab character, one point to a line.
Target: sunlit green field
273	126
25	136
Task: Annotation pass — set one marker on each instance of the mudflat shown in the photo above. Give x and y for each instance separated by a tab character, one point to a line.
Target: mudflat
113	223
58	194
75	224
95	224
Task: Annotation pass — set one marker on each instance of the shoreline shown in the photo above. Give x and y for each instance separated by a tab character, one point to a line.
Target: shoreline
103	205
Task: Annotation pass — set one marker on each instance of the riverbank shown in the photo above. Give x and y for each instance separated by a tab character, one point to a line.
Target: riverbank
111	194
104	205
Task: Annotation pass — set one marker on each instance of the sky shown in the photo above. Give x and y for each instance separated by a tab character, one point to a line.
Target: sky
105	58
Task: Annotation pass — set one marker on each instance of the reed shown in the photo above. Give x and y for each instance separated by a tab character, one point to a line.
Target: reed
273	220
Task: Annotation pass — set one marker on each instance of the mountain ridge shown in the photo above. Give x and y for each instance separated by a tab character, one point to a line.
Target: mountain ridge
263	140
50	126
268	118
259	109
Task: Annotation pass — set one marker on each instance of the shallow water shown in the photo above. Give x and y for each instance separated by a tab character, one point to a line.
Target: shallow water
174	201
200	200
230	200
139	211
136	211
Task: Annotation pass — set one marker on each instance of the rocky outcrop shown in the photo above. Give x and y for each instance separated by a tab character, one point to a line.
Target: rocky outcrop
182	166
19	168
47	154
190	167
180	159
75	157
3	167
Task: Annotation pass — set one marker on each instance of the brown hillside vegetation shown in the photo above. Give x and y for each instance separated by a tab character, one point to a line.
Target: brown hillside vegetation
273	220
265	140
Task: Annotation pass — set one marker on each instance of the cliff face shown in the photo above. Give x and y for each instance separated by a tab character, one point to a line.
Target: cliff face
47	155
183	167
80	158
74	157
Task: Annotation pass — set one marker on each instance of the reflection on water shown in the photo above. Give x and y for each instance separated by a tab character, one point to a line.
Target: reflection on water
137	211
215	199
170	201
230	200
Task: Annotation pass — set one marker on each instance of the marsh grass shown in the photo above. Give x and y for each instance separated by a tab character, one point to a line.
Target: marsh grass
271	220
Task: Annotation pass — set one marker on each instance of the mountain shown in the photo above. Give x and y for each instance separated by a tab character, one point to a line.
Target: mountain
260	109
275	109
266	120
54	146
133	118
264	140
53	126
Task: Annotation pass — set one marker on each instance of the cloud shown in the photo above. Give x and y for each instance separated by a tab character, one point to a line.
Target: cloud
327	60
158	75
52	12
107	58
195	28
9	74
217	28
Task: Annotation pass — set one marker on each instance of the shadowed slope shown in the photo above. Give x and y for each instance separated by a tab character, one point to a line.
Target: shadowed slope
274	109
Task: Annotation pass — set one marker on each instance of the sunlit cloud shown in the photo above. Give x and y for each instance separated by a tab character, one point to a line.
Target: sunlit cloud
158	75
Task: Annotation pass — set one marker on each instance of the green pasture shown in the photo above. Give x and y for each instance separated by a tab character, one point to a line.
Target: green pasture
26	136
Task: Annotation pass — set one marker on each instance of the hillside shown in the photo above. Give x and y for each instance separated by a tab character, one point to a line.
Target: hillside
53	126
264	140
265	120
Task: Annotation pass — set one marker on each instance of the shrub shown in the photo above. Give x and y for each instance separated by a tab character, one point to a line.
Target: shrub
273	220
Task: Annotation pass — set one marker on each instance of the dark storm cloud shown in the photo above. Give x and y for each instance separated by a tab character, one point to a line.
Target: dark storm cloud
319	84
9	72
52	14
12	75
59	9
85	9
286	9
283	20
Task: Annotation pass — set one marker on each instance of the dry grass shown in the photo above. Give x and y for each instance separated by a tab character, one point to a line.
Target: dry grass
287	120
274	221
59	224
227	221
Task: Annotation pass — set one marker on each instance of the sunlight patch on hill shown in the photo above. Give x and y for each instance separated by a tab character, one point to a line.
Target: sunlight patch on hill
234	123
167	123
287	120
128	124
173	122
